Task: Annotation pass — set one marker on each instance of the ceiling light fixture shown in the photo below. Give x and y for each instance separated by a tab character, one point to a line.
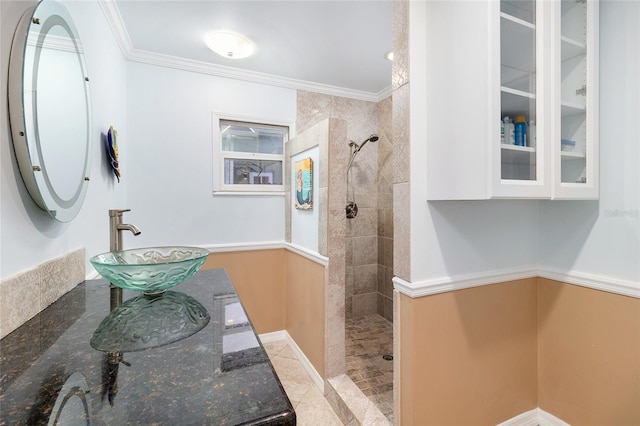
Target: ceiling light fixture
230	44
389	56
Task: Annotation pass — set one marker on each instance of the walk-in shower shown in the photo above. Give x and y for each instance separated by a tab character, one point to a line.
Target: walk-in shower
352	207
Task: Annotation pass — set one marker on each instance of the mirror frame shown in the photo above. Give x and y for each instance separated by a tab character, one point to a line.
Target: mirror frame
23	111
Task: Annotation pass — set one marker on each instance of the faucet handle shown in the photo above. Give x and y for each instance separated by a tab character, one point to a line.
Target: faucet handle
117	212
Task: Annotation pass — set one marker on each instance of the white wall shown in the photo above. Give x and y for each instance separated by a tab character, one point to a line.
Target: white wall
304	223
164	123
453	238
170	158
28	236
600	238
603	238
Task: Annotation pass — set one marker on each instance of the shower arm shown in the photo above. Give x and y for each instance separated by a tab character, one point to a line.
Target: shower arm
356	150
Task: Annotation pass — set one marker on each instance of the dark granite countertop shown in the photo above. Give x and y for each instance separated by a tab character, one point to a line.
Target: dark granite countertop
188	357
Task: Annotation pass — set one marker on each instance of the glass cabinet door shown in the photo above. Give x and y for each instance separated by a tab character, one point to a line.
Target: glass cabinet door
573	98
519	158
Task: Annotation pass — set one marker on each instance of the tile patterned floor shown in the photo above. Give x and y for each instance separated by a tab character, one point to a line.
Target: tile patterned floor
368	338
312	409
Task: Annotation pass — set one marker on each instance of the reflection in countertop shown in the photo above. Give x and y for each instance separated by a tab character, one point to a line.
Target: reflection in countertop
218	375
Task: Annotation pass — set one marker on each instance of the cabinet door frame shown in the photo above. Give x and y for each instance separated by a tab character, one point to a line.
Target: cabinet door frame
540	188
590	189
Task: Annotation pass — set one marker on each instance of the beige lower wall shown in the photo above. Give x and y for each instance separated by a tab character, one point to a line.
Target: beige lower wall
305	307
259	279
280	290
473	358
484	355
589	355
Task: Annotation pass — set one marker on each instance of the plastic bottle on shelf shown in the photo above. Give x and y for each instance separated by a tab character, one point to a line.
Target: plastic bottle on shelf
508	131
531	134
520	131
502	138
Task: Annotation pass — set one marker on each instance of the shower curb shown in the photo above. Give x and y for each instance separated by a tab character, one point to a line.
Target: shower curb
351	405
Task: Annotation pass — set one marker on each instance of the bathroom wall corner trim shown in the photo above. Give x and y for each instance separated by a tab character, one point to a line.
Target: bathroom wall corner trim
278	336
534	417
451	283
458	282
311	255
597	282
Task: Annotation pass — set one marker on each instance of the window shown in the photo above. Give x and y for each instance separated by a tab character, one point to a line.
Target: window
251	156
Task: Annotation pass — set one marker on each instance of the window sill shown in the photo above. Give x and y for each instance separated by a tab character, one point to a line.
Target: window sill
249	193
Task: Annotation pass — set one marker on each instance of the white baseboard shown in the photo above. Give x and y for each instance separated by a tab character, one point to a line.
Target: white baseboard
535	417
277	336
548	419
529	418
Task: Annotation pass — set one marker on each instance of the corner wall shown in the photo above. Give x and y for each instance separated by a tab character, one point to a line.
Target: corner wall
329	138
362	241
29	236
588	355
486	354
260	286
469	356
385	209
281	290
305	307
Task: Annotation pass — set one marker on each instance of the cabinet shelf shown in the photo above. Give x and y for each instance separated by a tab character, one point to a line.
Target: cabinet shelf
568	109
516	102
571	155
571	48
514	154
519	9
517	43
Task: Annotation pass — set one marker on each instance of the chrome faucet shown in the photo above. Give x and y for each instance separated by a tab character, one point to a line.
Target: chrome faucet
115	244
116	227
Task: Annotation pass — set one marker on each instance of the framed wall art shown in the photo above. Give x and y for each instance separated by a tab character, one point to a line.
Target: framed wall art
303	184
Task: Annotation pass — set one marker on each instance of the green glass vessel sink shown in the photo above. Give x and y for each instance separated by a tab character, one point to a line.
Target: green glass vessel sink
150	270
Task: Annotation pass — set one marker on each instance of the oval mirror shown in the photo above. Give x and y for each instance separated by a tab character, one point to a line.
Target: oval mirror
50	110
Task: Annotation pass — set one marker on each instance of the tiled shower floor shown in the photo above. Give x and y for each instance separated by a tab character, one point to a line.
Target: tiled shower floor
368	338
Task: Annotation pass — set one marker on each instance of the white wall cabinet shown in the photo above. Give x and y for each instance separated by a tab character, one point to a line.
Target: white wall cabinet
535	61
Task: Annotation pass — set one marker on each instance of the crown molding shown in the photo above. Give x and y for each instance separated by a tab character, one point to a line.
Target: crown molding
114	19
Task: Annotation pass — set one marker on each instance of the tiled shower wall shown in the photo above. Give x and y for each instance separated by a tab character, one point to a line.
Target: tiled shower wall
369	242
385	210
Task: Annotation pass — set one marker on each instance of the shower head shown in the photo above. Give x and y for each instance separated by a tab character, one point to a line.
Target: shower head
372	138
356	150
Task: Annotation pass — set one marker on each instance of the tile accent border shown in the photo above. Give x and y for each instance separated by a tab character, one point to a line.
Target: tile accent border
29	292
351	405
458	282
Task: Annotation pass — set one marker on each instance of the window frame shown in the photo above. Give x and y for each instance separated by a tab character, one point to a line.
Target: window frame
219	156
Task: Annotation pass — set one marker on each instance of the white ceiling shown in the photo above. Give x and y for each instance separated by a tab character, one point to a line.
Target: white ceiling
329	46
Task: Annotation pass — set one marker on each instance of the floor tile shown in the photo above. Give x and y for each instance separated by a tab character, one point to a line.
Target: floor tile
312	409
368	338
